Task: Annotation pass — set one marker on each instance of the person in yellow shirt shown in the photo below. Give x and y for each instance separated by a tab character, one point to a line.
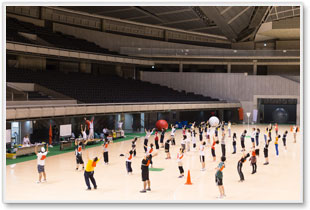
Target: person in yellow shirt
276	143
89	172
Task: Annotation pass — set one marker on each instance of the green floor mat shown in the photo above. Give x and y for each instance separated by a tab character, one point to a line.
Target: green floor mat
156	169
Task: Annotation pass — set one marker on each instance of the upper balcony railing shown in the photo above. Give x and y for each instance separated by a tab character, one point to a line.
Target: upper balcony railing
164	52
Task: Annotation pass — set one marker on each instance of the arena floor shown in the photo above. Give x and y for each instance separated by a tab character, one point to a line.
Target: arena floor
280	181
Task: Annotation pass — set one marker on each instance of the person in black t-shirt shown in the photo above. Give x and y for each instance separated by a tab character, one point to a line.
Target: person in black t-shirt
145	172
167	146
242	138
239	166
284	139
162	137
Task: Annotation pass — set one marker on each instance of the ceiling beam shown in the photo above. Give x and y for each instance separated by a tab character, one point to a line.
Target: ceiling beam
148	13
202	28
219	20
180	21
174	11
113	11
238	15
225	10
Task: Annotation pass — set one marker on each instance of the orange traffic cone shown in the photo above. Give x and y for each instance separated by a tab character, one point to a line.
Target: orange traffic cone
188	181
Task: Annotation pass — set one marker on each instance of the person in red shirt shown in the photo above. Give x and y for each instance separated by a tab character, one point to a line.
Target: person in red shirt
213	148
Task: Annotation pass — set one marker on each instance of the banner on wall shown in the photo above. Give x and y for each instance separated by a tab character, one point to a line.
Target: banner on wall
255	112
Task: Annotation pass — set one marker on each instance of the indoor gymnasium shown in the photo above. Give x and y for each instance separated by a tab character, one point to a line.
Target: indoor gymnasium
171	104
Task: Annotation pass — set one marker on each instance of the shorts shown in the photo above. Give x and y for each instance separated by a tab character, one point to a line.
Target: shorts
218	181
213	152
41	169
145	175
265	153
166	150
79	159
202	158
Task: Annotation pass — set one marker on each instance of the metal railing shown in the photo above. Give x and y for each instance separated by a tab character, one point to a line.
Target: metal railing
208	52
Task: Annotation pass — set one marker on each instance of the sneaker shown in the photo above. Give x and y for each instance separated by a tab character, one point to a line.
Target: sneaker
219	197
38	182
95	188
143	191
88	189
266	163
148	189
44	180
181	176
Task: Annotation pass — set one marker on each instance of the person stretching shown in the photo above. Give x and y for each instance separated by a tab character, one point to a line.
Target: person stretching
89	171
234	143
41	156
239	166
202	155
167	146
148	133
219	177
253	161
284	139
180	156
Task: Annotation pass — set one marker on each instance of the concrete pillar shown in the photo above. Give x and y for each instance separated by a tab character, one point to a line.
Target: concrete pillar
254	67
85	67
166	35
229	68
118	69
181	67
30	62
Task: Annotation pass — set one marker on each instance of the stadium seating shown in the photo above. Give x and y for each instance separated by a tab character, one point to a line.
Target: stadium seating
55	39
88	88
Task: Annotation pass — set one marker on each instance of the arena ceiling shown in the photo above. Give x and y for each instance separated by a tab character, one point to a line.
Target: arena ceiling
237	23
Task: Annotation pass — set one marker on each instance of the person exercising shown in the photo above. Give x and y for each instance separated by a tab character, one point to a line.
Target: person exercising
219	177
41	156
148	133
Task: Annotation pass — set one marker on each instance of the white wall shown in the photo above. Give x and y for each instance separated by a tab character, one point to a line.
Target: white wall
227	86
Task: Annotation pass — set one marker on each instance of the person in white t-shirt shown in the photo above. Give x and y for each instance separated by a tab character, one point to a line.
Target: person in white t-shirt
41	156
202	155
83	132
188	140
229	129
253	135
173	130
26	141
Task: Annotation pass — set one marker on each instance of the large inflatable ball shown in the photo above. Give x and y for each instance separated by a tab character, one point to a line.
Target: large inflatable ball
160	124
214	121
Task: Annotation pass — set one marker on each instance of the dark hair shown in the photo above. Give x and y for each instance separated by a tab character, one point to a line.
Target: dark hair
234	135
80	143
204	143
279	136
151	144
286	132
223	158
245	131
130	152
95	159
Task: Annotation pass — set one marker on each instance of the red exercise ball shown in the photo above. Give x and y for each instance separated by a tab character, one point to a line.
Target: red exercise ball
160	124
